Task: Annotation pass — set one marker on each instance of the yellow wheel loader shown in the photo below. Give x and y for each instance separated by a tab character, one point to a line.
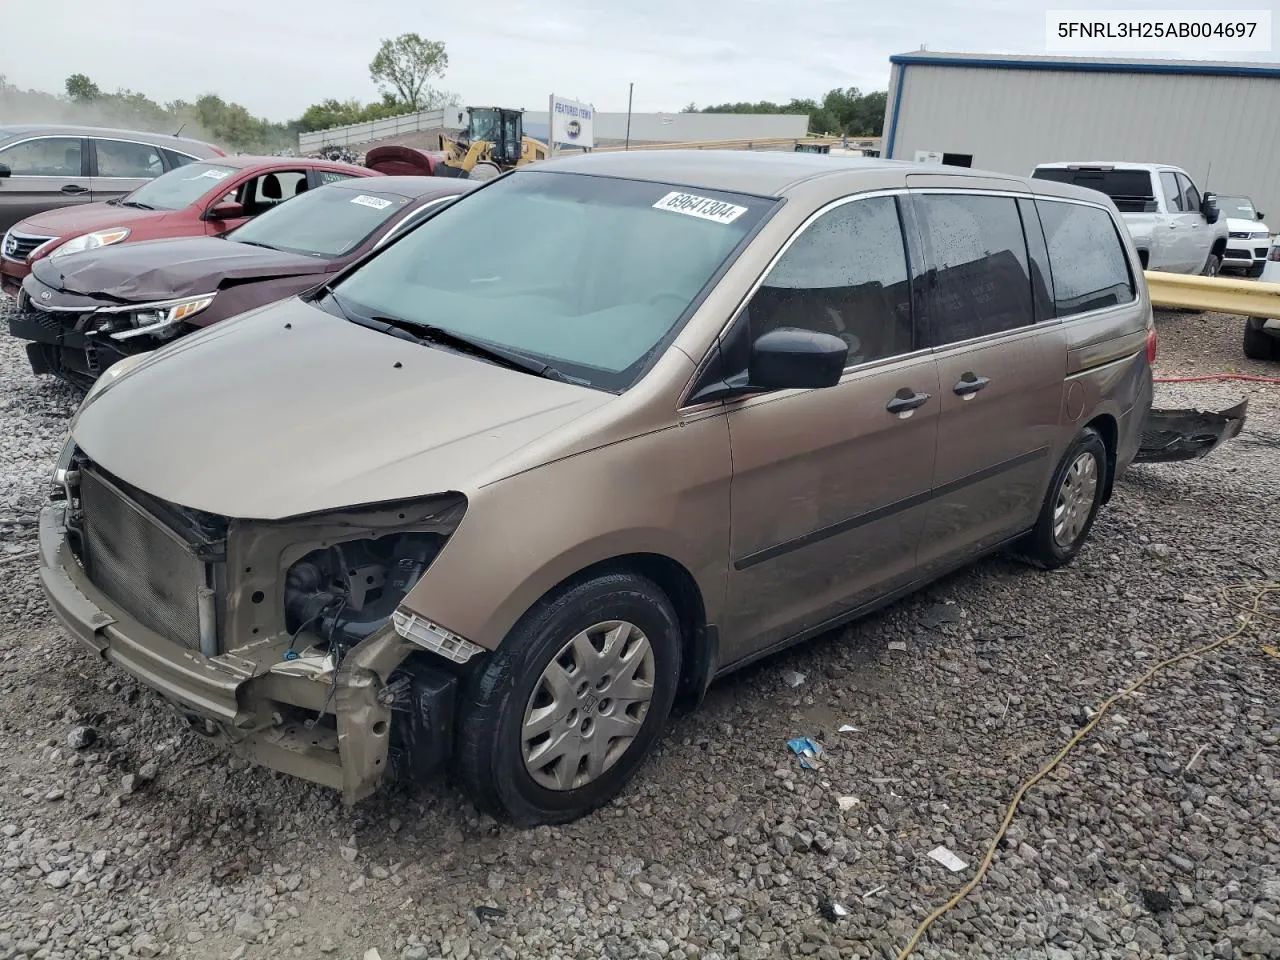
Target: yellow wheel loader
492	143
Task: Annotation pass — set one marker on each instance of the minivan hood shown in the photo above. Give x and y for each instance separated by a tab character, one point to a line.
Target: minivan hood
167	269
288	410
85	218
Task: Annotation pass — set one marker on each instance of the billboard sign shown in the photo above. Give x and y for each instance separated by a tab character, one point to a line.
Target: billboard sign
571	124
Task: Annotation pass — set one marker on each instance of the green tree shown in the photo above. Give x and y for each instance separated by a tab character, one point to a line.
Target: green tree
402	67
81	89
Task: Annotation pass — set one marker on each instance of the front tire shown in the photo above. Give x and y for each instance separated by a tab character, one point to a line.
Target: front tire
567	709
1071	504
1258	344
1212	266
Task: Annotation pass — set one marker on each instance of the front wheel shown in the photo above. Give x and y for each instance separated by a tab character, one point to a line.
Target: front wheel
1212	266
1071	505
1258	344
567	709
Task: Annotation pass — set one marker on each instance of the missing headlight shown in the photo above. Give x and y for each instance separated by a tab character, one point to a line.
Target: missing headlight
346	592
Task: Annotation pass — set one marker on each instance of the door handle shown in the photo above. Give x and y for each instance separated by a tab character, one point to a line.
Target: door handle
905	401
968	385
74	188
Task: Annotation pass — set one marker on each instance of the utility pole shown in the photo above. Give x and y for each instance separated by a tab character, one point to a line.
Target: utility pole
630	90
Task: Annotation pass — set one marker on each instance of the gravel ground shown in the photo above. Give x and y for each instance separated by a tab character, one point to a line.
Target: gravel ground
1158	838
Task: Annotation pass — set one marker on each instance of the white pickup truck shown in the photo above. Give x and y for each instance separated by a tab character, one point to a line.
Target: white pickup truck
1174	227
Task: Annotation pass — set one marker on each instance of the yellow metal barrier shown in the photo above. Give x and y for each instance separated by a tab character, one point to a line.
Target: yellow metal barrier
1245	298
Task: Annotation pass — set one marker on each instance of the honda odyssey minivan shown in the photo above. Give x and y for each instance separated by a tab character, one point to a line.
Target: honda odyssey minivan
504	491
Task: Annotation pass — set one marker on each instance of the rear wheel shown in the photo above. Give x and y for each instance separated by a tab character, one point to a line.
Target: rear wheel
568	707
484	170
1258	344
1071	505
1212	266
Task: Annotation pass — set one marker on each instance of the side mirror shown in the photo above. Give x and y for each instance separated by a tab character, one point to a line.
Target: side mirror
5	171
1209	207
228	210
793	359
1259	214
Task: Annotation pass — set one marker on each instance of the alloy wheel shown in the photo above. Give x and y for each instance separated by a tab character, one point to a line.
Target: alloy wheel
1075	499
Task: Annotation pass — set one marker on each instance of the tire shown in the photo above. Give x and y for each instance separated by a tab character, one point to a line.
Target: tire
1049	546
512	689
1212	266
484	170
1258	344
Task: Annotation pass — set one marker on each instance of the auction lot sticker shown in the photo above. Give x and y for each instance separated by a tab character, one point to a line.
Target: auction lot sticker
376	202
705	208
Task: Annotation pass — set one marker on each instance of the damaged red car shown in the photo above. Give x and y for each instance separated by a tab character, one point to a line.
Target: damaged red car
83	313
201	199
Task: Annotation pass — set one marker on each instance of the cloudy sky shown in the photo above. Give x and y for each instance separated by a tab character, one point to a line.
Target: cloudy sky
279	56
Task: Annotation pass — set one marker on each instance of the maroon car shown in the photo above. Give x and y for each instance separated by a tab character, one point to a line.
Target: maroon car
204	198
83	312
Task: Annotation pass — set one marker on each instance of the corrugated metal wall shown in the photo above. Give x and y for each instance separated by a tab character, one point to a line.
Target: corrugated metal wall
1224	128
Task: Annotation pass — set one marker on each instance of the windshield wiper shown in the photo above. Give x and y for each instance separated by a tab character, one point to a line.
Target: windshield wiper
253	243
137	204
426	333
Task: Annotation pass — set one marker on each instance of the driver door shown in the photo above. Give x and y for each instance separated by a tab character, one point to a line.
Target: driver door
830	486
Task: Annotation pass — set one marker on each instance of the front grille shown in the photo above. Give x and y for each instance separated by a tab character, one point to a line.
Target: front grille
19	246
1260	252
1240	235
1235	253
139	563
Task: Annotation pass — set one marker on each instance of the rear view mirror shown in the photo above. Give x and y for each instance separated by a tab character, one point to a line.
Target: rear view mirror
791	358
1209	207
228	210
5	171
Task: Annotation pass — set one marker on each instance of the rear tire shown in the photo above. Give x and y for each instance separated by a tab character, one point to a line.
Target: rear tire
1258	344
1212	266
568	707
1070	505
484	170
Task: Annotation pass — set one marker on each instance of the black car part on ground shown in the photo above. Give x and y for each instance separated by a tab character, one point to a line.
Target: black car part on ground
1174	435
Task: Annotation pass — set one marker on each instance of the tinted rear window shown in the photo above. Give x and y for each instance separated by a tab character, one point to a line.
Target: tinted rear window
1130	190
1090	270
983	281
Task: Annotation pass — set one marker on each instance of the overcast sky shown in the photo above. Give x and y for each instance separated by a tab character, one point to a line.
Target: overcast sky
277	57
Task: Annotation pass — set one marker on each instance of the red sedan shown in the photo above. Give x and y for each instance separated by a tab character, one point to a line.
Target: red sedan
204	198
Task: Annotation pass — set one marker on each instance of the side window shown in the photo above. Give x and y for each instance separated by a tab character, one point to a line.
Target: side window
1090	270
846	274
176	159
981	282
118	158
1190	195
271	189
332	176
45	157
1172	192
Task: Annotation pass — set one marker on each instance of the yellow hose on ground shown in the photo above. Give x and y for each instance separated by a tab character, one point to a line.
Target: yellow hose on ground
1247	619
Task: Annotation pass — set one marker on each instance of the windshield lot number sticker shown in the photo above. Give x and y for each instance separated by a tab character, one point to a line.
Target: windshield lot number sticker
376	202
705	208
211	175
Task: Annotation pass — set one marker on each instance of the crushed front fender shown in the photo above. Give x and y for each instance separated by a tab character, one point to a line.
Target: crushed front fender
1173	435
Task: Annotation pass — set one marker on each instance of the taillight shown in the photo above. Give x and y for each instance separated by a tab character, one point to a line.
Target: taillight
1275	253
1152	345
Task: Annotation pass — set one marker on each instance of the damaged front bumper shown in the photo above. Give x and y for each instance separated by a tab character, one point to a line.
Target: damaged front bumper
379	714
1173	435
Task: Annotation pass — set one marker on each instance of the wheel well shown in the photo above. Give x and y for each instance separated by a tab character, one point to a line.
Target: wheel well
697	641
1143	257
1219	246
1107	429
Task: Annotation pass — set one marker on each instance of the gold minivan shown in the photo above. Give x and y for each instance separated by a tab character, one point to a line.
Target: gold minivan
498	496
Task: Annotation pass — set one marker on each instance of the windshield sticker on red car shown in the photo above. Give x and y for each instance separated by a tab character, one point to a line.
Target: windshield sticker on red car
704	208
211	175
376	202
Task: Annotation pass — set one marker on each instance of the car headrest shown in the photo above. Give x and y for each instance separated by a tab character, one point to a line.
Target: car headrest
271	187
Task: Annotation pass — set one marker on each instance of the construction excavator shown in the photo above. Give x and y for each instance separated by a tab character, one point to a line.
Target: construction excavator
492	143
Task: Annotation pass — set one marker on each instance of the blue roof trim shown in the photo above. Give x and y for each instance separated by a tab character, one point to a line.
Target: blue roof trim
1190	68
897	107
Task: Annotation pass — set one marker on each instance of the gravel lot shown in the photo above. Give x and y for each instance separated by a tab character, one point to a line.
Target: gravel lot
1158	838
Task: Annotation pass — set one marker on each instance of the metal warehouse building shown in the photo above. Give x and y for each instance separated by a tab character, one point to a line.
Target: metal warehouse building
1218	121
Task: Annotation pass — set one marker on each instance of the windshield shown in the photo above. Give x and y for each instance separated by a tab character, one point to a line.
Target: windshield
484	125
1130	190
326	222
1239	208
179	188
588	274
